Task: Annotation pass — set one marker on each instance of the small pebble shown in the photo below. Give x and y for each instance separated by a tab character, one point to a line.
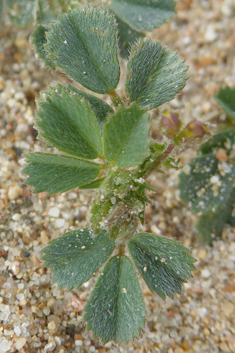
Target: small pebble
78	343
202	311
54	212
20	343
44	237
202	254
35	261
52	326
26	253
50	346
210	34
14	192
228	308
59	222
205	273
16	217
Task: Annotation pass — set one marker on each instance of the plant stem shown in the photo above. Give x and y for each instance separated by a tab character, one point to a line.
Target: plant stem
116	99
121	250
156	160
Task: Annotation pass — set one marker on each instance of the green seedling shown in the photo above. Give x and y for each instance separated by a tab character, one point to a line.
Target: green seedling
108	148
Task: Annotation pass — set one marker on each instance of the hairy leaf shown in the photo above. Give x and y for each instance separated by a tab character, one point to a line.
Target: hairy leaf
75	256
39	39
99	107
224	139
127	36
55	173
211	224
93	185
154	74
115	310
144	15
208	184
83	43
226	99
69	124
126	136
22	12
163	263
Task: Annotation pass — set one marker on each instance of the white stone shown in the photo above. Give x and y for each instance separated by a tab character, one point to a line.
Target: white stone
210	34
50	346
202	311
4	345
205	273
20	343
214	179
54	212
78	343
17	331
16	217
59	222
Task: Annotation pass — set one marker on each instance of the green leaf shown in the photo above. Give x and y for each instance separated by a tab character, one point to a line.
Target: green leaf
75	256
99	107
155	75
163	263
208	184
126	136
115	310
144	15
69	124
83	43
22	12
226	99
224	139
55	173
127	36
48	12
39	39
211	224
93	185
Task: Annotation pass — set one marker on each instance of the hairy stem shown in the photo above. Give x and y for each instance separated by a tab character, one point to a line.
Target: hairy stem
156	160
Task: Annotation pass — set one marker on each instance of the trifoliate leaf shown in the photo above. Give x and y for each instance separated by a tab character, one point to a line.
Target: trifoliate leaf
75	256
22	12
83	43
224	139
163	263
144	15
55	173
211	224
39	39
126	37
126	136
48	11
115	310
99	107
207	184
69	124
226	99
155	75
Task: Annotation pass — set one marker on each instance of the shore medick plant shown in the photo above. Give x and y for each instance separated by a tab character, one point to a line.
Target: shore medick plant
212	175
108	148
